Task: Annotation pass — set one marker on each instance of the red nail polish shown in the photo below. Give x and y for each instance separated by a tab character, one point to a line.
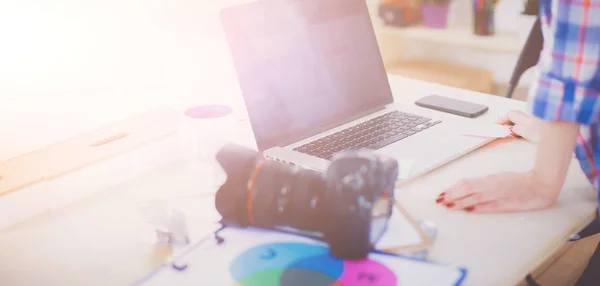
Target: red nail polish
449	205
469	209
442	194
439	200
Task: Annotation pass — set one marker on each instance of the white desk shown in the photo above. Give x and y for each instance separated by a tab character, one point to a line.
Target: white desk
97	241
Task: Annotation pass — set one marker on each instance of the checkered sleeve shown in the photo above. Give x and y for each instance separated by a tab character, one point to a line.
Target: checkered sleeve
567	85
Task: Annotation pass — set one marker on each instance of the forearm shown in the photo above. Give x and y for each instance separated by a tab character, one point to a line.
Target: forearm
554	154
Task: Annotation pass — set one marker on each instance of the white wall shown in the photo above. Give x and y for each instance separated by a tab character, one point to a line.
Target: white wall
94	47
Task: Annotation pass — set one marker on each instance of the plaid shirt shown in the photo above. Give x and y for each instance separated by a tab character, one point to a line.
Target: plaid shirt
567	87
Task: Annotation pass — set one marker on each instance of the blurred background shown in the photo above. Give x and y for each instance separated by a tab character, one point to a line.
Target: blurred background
94	48
471	44
71	66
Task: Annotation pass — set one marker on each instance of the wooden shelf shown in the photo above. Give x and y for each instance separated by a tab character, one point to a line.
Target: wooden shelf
451	74
458	36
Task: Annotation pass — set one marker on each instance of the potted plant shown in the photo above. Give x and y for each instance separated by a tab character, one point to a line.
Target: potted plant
435	13
531	9
483	17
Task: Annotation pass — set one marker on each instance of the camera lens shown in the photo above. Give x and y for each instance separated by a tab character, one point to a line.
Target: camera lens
284	196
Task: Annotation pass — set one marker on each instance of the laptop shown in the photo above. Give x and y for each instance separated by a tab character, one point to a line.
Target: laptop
314	84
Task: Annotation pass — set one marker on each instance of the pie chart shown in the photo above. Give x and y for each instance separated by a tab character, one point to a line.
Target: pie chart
300	264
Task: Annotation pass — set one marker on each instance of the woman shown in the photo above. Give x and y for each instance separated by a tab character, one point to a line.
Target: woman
564	102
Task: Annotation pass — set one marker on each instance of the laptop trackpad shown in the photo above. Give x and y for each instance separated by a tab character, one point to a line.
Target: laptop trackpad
432	149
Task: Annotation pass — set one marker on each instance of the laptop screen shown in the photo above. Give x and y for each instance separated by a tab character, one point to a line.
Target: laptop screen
304	65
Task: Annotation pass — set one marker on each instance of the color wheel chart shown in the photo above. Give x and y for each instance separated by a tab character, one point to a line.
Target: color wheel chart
300	264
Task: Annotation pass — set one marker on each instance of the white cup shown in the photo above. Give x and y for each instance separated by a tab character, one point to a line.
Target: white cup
203	130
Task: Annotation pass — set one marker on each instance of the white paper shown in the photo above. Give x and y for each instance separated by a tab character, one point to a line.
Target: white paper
405	168
487	131
400	233
252	257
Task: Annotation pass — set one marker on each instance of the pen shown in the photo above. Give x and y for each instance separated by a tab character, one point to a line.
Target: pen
510	127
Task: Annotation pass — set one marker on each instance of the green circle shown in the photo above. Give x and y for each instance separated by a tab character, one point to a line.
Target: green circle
287	277
271	277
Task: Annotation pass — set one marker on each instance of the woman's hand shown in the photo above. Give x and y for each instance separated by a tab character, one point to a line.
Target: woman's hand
524	125
514	192
499	193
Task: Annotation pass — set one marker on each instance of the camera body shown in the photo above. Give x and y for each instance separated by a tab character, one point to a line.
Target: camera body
348	206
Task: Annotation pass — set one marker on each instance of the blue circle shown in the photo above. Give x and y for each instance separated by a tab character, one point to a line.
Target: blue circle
284	256
324	264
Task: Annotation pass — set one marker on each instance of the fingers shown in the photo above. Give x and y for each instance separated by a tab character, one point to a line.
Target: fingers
515	117
519	122
464	194
518	130
490	207
518	116
469	202
462	189
528	130
468	194
478	203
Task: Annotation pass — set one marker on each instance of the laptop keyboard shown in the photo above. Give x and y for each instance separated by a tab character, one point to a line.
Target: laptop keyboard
375	133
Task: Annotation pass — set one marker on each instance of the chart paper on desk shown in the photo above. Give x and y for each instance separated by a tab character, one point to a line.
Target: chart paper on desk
401	233
252	257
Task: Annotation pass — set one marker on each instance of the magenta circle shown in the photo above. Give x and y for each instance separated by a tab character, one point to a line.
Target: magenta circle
208	111
366	273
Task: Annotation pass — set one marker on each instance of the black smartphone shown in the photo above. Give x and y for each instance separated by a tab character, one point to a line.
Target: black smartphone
453	106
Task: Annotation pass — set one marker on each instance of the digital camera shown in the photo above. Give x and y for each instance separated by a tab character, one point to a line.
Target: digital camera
348	206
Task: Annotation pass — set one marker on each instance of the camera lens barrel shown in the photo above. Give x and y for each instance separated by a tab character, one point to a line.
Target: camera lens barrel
231	199
287	196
